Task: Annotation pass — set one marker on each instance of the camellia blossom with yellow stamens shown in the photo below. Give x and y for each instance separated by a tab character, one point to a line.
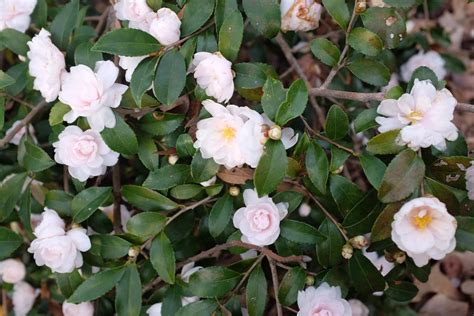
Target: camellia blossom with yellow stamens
424	229
424	116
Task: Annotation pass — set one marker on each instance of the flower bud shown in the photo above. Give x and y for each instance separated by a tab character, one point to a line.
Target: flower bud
360	7
347	251
399	257
309	280
275	132
234	191
359	242
133	252
172	159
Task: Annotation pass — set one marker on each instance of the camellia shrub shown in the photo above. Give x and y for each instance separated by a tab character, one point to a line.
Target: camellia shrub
224	157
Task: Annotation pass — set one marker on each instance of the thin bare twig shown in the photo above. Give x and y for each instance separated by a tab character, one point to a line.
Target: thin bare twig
116	186
188	208
275	286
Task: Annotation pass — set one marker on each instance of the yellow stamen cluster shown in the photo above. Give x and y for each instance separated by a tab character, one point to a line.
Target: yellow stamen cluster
421	222
228	133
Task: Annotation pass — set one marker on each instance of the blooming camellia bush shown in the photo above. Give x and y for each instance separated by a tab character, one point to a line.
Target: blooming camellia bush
227	157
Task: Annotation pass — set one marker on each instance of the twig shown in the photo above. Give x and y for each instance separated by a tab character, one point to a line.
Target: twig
294	64
4	302
188	208
40	106
117	198
275	286
16	99
101	21
66	179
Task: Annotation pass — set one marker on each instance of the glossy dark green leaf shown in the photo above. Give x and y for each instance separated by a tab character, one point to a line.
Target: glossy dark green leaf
345	193
465	233
337	123
317	165
370	71
450	171
20	75
40	14
365	276
382	227
365	120
57	113
365	41
142	78
300	232
10	192
163	259
374	169
339	11
148	152
9	242
185	191
294	104
155	5
88	201
293	199
231	34
59	201
203	169
35	158
271	168
424	73
325	50
146	224
328	251
171	300
250	75
128	297
292	282
223	9
220	215
161	123
385	143
68	282
184	146
362	215
110	246
170	77
83	55
199	308
64	23
338	159
146	199
274	95
402	3
168	177
256	292
121	138
197	12
444	193
5	80
264	15
387	23
15	41
213	281
401	291
127	42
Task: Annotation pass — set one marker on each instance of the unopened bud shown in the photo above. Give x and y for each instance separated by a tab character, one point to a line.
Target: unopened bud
347	251
359	242
133	252
75	225
361	7
389	256
399	257
172	159
234	191
338	170
275	132
15	227
309	280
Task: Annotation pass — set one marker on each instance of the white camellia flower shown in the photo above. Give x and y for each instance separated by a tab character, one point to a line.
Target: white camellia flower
186	272
259	220
134	11
15	14
47	65
424	116
470	181
300	15
12	270
324	300
19	135
165	26
358	308
56	248
214	74
430	59
23	298
82	309
92	94
155	309
424	229
85	153
129	64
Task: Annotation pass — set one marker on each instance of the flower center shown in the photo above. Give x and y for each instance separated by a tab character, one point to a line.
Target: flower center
85	148
414	117
261	220
228	133
321	311
422	219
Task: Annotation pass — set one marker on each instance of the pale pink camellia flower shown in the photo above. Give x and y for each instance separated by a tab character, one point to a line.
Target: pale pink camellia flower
165	26
46	64
322	301
129	64
259	220
82	309
214	74
134	11
19	135
15	14
92	94
300	15
23	298
424	229
154	310
358	308
430	59
424	116
84	152
12	270
56	248
470	181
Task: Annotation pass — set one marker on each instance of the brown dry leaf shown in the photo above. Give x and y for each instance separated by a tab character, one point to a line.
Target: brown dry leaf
437	283
441	305
236	175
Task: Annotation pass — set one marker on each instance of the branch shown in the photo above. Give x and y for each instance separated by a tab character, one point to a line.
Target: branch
25	121
188	208
117	198
275	286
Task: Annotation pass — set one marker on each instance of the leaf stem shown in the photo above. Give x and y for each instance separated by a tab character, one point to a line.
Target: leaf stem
275	286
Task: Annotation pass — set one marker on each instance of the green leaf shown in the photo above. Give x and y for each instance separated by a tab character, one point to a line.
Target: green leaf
97	285
273	96
24	211
250	75
220	215
345	193
295	103
213	281
57	113
231	34
465	233
401	291
339	11
444	193
256	292
68	282
19	73
374	169
385	143
450	171
146	224
59	201
337	123
382	228
365	41
362	215
292	282
167	177
161	123
163	259
271	168
109	246
64	23
403	176
402	3
300	232
35	158
142	78
338	158
203	169
155	5
121	138
424	73
291	197
5	80
325	50
9	242
365	276
329	250
365	120
88	201
170	77
10	192
85	56
127	42
387	23
40	14
184	146
197	12
264	16
15	41
128	297
199	308
146	199
171	301
317	165
148	152
223	9
2	110
370	71
185	191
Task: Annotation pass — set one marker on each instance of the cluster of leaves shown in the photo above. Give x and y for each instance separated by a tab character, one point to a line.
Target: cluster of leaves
174	216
